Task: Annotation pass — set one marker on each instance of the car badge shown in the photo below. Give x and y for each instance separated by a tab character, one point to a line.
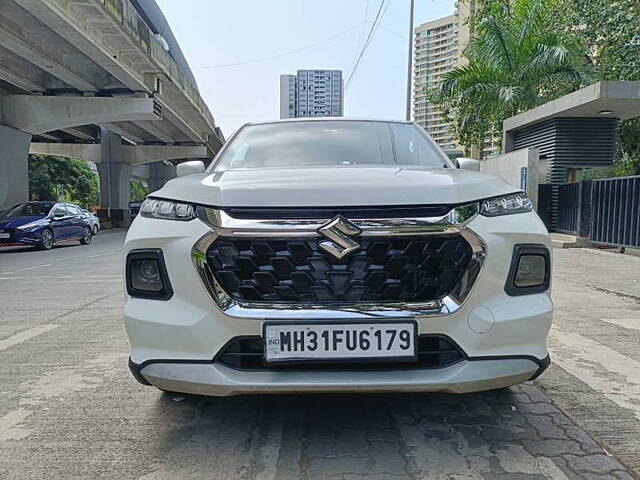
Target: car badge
339	232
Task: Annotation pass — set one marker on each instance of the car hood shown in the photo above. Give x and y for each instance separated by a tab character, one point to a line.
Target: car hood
334	186
18	221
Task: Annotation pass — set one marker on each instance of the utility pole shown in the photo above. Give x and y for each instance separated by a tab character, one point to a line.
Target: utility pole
409	64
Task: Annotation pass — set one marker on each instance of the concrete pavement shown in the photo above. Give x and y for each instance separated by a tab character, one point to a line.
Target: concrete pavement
595	347
70	409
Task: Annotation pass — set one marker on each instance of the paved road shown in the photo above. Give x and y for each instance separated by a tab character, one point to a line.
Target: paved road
69	408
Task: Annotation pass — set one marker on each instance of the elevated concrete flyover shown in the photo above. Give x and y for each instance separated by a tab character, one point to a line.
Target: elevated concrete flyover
95	79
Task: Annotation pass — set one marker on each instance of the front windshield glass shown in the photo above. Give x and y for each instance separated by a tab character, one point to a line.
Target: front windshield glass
29	210
329	143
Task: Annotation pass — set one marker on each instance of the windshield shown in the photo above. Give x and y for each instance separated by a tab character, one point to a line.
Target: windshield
330	143
29	210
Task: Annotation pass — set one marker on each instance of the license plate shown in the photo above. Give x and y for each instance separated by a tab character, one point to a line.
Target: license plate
330	341
5	235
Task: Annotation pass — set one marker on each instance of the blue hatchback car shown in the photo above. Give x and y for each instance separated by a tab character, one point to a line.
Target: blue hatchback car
42	224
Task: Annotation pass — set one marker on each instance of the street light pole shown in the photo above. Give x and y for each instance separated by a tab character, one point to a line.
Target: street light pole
409	64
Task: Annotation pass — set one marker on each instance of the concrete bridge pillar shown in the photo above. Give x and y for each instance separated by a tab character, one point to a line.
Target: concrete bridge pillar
159	174
14	166
115	178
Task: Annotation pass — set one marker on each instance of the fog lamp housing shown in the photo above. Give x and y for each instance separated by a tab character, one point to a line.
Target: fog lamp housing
146	275
530	270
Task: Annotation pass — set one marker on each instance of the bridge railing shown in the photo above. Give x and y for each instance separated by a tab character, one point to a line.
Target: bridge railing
126	14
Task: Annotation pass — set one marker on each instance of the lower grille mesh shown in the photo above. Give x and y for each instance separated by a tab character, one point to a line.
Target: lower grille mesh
246	353
295	270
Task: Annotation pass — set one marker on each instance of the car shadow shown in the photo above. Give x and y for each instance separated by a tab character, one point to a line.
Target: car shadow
25	249
303	428
30	249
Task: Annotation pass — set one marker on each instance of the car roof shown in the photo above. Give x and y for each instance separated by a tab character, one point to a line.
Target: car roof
325	119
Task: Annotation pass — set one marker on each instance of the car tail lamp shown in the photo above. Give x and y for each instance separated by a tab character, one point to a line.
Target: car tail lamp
530	270
147	276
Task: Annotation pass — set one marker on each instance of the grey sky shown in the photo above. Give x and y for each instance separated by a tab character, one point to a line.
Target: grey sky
221	32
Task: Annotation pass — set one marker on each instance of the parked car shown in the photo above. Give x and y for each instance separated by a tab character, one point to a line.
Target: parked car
92	220
336	255
42	224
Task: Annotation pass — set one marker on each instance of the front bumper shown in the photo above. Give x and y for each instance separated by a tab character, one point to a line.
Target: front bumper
470	375
174	341
20	238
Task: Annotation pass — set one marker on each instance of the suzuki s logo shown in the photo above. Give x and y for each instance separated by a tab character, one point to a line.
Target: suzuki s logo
338	232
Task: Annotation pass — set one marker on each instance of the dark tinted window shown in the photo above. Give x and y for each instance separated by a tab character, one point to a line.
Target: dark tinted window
319	143
29	210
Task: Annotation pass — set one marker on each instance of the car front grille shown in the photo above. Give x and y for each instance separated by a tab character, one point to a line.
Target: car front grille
247	353
295	270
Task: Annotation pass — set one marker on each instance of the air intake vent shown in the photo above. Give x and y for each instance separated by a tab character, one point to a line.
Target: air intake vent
246	353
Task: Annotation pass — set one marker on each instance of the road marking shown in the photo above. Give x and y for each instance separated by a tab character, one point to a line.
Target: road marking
67	277
25	335
54	384
78	279
101	254
33	267
605	370
11	425
631	323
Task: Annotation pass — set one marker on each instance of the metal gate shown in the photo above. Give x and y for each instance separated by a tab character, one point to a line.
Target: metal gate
545	197
568	208
615	207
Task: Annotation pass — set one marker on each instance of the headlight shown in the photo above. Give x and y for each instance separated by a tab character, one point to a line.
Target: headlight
167	209
506	205
28	227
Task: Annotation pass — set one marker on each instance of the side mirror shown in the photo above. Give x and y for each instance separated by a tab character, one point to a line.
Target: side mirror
189	168
468	164
59	215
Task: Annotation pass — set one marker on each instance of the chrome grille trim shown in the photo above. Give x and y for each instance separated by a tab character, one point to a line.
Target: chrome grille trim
223	225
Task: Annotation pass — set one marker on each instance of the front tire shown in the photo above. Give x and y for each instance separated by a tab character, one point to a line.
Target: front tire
47	240
86	236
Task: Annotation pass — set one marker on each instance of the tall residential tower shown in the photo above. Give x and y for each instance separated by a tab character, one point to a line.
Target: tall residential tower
311	93
439	47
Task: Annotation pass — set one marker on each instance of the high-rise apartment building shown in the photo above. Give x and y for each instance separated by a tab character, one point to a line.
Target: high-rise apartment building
439	47
311	93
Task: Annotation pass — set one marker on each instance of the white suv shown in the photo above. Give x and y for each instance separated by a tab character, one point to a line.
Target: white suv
336	255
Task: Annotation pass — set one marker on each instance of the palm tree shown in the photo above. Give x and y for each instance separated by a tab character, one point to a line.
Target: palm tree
519	57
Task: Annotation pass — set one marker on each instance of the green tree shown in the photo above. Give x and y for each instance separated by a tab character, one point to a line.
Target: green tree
62	178
138	190
518	58
611	30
